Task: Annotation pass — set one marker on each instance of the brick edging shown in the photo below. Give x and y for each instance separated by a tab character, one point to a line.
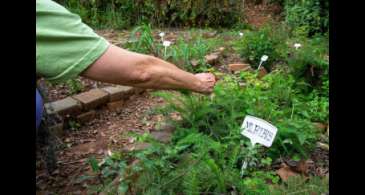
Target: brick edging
83	102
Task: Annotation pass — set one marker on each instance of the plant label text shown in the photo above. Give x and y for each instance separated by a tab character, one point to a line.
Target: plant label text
258	131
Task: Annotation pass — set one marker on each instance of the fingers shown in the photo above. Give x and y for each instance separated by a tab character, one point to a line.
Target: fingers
208	82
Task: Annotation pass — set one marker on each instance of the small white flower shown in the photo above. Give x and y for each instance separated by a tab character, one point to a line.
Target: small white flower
166	43
162	34
241	34
109	152
264	58
297	45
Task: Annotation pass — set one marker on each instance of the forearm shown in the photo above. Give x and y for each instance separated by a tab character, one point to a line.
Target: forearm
161	76
123	67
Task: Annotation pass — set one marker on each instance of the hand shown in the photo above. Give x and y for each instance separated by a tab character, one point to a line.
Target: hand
207	82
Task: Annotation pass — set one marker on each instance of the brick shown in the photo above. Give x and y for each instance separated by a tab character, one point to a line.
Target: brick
64	107
92	99
239	67
212	58
86	117
262	72
115	106
118	92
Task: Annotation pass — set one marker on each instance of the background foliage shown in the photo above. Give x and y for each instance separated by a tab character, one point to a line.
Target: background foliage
126	13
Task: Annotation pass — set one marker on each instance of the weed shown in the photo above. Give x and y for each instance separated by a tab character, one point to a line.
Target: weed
74	125
208	153
75	86
142	40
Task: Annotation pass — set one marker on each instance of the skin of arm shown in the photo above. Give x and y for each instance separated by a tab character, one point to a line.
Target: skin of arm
120	66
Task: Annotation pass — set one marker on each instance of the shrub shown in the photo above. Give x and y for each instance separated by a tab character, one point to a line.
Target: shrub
271	99
126	13
307	17
255	44
309	63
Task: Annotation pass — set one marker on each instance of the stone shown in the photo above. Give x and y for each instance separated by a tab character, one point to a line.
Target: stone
136	147
212	58
92	99
239	67
86	117
63	107
320	126
138	90
221	52
165	127
242	84
162	136
115	106
323	146
194	62
118	92
209	34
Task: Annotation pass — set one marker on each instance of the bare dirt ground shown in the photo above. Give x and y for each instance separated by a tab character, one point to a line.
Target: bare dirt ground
95	138
259	14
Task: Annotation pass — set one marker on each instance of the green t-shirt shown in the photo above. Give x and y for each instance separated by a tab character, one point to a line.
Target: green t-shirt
65	45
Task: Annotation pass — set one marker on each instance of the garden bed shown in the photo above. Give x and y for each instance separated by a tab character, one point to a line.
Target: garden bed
121	151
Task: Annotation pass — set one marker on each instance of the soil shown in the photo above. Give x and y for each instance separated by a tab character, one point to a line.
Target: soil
106	132
259	14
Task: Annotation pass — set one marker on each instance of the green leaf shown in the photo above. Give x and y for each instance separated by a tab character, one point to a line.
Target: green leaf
94	164
123	188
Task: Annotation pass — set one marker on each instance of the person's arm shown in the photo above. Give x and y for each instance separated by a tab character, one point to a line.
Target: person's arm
120	66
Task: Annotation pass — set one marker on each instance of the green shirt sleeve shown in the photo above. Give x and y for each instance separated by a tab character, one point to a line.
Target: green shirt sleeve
65	46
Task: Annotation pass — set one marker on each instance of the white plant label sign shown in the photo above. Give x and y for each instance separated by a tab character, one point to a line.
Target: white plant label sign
258	130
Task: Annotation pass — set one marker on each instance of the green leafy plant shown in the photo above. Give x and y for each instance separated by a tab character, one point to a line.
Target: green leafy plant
207	152
182	53
309	62
307	17
301	185
74	125
126	13
255	44
142	40
75	86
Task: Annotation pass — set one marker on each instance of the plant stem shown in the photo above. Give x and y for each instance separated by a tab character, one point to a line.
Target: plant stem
292	112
